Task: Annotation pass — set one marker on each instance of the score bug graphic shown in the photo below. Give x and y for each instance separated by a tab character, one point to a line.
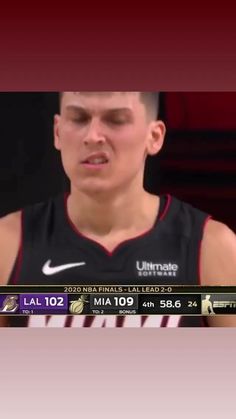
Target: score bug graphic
43	303
77	306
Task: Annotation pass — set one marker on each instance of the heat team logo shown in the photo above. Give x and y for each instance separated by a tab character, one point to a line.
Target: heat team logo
150	269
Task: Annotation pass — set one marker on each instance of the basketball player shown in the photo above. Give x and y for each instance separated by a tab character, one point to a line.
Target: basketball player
109	230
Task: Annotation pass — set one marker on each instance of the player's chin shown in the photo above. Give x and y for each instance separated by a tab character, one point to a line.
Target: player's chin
94	186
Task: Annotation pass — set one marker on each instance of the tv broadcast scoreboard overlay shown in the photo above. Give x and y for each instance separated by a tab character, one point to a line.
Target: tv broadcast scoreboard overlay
117	300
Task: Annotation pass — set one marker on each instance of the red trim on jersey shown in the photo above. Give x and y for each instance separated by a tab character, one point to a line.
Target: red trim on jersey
19	255
166	208
109	253
200	250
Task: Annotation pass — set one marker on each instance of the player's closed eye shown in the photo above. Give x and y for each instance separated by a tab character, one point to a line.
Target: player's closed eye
110	121
81	120
120	121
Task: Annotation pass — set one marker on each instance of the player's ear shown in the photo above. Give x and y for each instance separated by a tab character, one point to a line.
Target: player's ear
156	137
56	132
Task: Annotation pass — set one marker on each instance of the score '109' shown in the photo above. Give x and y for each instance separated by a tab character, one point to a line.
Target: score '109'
123	301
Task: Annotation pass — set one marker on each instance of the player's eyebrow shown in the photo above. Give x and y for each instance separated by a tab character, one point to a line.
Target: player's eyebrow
76	108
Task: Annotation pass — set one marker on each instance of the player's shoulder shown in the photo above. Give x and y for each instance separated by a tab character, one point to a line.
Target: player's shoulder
10	222
185	208
10	236
184	219
218	254
43	206
10	230
219	236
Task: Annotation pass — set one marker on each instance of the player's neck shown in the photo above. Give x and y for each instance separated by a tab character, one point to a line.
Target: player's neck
135	210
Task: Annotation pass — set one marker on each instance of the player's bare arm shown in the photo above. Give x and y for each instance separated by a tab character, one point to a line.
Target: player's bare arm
218	263
10	231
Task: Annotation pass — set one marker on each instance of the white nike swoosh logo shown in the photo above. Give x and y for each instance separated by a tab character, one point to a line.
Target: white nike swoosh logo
52	270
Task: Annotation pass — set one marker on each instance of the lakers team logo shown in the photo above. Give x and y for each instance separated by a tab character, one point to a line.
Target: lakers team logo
10	305
77	306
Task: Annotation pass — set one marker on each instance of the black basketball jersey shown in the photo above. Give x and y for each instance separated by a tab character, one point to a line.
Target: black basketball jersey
54	252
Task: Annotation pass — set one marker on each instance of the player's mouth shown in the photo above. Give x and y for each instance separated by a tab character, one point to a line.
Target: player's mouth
95	160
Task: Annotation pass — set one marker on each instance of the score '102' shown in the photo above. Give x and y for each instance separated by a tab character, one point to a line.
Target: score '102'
54	301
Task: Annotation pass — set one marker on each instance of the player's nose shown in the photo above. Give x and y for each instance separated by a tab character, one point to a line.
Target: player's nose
95	133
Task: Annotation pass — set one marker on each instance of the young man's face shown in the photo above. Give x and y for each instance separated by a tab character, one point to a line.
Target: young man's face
104	139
